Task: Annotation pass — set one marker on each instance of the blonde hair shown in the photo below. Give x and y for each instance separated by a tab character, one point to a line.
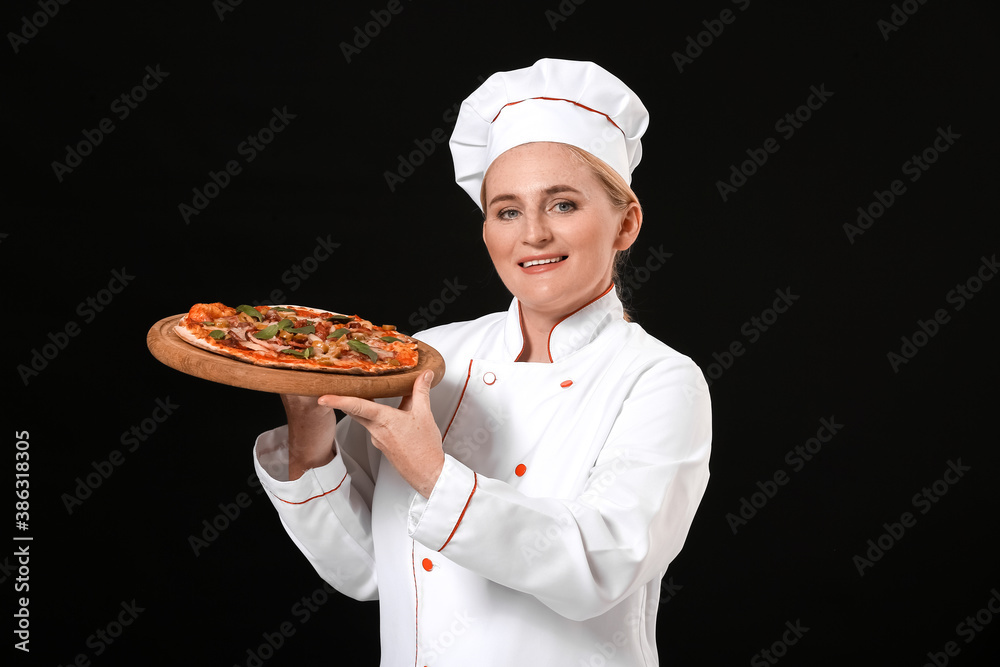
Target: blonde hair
621	196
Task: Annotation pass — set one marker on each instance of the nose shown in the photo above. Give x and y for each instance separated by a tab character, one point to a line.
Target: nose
536	229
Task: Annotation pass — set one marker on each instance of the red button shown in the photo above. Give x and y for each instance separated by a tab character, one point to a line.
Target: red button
565	383
428	565
520	469
489	378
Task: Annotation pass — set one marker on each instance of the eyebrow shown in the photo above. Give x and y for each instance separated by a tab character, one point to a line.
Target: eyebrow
549	191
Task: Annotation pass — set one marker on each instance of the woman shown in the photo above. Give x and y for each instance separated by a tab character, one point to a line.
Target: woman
525	511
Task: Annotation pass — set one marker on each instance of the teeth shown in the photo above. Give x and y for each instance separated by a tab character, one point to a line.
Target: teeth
536	262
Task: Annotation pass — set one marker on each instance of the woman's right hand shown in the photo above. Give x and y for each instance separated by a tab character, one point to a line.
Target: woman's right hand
311	429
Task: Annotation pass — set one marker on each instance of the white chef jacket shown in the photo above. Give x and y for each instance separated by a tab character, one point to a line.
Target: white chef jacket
567	489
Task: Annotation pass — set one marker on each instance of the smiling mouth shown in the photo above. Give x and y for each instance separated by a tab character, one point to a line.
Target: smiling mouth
536	262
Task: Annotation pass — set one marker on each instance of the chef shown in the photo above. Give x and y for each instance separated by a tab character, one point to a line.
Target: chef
524	511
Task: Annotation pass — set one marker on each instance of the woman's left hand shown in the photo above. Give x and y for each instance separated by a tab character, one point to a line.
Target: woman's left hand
407	435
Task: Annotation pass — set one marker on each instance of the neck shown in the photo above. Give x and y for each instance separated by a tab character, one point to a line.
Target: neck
536	330
537	326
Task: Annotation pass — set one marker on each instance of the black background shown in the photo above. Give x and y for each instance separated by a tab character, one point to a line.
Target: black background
324	176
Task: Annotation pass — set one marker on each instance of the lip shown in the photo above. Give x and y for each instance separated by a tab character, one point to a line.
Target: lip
537	267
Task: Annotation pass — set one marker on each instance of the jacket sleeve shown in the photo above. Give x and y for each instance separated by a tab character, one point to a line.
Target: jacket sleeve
580	557
327	511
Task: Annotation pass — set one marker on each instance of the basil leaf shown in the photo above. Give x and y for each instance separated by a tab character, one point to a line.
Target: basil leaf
282	308
337	333
307	329
390	339
267	332
251	311
339	318
305	354
358	346
284	324
217	334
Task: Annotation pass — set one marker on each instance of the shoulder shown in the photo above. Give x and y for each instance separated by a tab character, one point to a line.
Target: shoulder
646	355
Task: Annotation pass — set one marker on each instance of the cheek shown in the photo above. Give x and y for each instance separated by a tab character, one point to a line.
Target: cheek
496	241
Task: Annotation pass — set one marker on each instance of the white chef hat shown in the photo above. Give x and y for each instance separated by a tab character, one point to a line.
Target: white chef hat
564	101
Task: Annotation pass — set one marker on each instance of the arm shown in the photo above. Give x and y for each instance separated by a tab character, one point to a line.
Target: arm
322	493
584	555
311	432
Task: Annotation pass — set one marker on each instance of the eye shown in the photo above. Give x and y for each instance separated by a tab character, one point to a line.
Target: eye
508	214
565	206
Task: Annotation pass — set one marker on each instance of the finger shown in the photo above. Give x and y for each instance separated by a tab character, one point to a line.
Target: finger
359	408
421	388
424	382
296	404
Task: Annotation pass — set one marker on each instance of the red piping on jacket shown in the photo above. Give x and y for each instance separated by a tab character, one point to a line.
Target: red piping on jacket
416	606
475	483
302	502
464	387
548	342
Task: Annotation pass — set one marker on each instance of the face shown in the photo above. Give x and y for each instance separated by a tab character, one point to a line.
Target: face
551	229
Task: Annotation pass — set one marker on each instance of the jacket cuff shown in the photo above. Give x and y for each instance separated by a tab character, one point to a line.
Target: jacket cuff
434	521
271	463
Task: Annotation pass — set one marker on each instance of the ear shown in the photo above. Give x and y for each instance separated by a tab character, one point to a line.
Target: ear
628	229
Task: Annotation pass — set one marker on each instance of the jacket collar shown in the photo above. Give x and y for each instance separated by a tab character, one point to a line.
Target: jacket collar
572	332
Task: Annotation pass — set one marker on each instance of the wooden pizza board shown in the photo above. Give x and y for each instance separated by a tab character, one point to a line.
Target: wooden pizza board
170	349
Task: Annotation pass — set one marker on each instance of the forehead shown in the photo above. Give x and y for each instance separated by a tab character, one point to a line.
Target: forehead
536	166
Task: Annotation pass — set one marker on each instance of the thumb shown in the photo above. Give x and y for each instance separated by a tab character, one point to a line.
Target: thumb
421	392
423	383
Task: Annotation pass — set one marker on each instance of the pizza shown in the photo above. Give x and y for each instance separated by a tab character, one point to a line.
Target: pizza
298	338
